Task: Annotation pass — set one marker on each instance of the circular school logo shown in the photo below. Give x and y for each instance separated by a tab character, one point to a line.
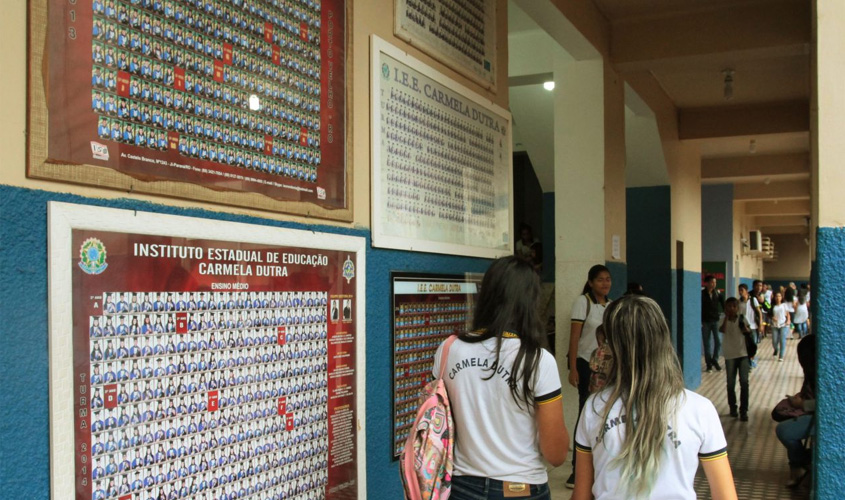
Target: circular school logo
385	71
92	256
348	269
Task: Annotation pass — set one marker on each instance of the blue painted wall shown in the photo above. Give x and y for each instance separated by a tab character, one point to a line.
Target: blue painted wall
749	282
829	274
689	327
619	278
649	236
717	230
24	434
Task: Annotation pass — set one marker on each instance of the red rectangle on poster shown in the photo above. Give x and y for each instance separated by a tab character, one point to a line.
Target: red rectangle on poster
289	422
173	140
110	396
282	405
277	54
227	53
218	71
268	145
268	32
124	79
179	78
303	136
182	322
213	401
280	335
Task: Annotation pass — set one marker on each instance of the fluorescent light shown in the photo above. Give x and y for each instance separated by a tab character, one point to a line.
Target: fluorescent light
549	85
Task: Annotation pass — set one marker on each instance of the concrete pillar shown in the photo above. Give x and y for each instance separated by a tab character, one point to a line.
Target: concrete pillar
828	177
579	195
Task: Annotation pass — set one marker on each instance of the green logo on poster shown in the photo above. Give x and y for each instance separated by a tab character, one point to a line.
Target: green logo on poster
385	71
348	269
92	256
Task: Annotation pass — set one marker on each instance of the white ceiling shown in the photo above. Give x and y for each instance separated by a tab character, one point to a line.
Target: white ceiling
765	42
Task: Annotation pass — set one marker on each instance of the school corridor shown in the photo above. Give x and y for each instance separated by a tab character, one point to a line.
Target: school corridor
758	460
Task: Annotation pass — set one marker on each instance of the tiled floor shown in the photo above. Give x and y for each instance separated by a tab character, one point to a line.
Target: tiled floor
758	460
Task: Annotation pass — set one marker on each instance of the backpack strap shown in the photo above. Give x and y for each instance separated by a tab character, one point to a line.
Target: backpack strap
589	300
444	356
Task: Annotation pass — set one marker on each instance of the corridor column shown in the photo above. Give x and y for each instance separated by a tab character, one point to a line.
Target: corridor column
828	178
579	194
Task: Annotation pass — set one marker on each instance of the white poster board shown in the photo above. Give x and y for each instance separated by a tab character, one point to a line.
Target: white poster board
200	357
459	33
442	163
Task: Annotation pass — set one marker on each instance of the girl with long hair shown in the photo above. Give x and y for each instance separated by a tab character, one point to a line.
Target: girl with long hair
644	434
780	326
587	313
504	390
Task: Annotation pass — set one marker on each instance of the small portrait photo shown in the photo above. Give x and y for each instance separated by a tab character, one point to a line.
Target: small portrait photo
347	309
335	310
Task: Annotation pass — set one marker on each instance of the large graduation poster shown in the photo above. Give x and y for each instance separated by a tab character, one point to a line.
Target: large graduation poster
442	176
235	101
427	309
460	33
206	368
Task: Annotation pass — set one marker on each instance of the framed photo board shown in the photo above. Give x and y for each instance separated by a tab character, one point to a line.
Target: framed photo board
442	164
200	358
427	308
459	33
233	102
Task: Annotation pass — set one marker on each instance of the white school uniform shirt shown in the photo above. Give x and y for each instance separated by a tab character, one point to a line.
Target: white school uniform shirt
695	434
587	343
495	438
779	315
802	314
751	306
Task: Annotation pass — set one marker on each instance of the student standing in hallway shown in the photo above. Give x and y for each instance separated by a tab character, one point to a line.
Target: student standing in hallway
712	304
780	326
507	403
644	435
734	328
587	314
750	308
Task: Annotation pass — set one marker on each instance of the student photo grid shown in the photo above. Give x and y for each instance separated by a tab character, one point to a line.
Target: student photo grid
209	395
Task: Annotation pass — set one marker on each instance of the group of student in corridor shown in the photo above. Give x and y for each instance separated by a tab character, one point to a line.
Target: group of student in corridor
640	433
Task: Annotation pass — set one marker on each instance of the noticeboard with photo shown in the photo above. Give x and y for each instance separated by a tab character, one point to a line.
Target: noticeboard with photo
427	309
459	33
240	102
442	156
183	365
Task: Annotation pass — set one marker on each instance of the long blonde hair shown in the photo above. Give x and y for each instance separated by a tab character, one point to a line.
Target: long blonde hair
647	377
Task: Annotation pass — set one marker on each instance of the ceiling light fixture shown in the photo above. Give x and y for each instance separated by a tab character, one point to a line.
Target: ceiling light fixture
550	85
752	146
729	84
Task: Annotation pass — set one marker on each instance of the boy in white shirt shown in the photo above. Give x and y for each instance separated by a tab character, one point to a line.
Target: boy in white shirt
734	328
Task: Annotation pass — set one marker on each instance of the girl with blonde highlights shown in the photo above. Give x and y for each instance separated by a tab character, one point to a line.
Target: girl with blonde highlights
644	434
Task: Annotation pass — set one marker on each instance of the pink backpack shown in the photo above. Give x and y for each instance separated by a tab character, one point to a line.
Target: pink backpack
427	460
